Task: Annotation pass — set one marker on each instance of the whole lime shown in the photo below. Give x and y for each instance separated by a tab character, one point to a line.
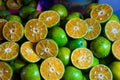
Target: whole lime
30	72
100	47
14	17
114	17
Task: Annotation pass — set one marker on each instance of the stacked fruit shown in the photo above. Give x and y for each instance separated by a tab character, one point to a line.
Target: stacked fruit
55	45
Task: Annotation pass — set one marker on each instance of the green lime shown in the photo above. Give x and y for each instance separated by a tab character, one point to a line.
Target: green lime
72	73
14	17
64	55
58	35
114	17
61	9
77	43
100	47
30	72
95	61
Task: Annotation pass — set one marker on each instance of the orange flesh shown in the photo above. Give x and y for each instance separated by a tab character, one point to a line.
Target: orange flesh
50	18
28	52
5	71
46	48
100	72
13	31
35	30
82	58
112	30
8	50
76	28
102	12
94	29
52	69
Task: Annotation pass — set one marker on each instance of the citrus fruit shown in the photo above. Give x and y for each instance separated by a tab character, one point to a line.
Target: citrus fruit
27	1
30	72
100	47
6	71
112	30
72	73
50	18
95	61
115	68
114	17
9	51
76	28
82	58
61	9
52	69
2	23
102	12
14	17
58	35
94	29
77	43
27	51
46	48
100	72
35	30
13	31
4	13
64	55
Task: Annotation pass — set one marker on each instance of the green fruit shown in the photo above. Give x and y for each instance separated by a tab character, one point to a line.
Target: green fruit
14	17
64	55
30	72
100	47
58	35
114	17
95	61
72	73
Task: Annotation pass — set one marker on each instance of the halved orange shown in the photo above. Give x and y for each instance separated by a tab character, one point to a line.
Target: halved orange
6	71
50	18
52	69
100	72
9	51
35	30
82	58
2	23
102	12
94	29
13	31
112	30
27	51
76	28
46	48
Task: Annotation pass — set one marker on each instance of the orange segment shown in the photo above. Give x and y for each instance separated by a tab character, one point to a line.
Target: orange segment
112	30
50	18
2	23
5	71
100	72
52	69
8	51
46	48
35	30
94	29
28	52
76	28
13	31
102	12
82	58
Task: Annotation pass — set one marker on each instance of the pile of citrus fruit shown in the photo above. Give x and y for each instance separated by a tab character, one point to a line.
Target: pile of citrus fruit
56	45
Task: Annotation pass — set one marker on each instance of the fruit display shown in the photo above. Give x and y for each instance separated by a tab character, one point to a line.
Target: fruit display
48	42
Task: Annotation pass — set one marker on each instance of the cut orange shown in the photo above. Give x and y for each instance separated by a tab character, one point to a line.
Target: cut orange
46	48
116	49
76	28
2	23
102	12
9	51
6	71
13	31
50	18
35	30
82	58
28	52
94	29
112	30
100	72
52	69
